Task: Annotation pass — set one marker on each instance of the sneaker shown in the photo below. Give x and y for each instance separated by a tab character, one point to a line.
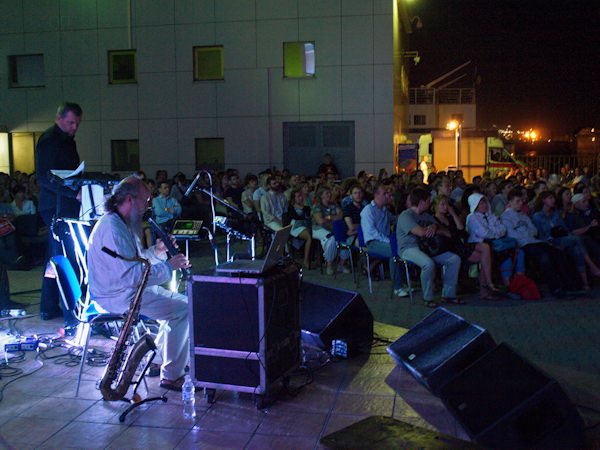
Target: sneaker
330	270
401	292
343	269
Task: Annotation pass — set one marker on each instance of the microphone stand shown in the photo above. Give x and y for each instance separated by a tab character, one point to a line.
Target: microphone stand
213	197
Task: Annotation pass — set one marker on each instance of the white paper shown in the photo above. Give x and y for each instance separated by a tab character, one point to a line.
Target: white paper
69	173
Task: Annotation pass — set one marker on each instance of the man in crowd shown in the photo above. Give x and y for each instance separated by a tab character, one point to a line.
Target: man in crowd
546	256
273	204
57	149
113	282
375	221
165	208
233	193
414	223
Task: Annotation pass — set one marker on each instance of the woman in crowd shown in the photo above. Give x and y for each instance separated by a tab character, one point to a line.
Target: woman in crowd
483	225
563	201
551	228
251	183
300	219
20	205
473	252
324	213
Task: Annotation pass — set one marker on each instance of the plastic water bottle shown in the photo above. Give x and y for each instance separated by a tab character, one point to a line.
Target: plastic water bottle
188	391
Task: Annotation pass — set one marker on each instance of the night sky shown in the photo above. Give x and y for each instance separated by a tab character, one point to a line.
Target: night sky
538	61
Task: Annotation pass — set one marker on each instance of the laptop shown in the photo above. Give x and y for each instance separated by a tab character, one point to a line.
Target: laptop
258	266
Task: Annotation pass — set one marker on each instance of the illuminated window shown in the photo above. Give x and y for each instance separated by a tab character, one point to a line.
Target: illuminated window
26	71
419	119
208	63
122	67
298	59
210	153
125	155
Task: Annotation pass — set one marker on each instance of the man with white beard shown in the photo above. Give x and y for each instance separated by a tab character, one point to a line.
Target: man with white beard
114	282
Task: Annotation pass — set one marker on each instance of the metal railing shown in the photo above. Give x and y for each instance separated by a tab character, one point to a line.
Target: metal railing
553	163
430	96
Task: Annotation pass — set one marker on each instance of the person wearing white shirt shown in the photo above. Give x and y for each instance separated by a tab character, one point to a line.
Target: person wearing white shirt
20	206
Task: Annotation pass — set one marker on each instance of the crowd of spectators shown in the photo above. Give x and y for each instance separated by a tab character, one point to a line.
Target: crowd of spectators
552	217
21	229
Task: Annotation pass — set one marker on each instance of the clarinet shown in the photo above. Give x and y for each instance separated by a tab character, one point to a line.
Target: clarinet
171	249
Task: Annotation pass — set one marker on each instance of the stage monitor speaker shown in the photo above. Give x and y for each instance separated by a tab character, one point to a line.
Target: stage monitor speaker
503	401
439	347
328	313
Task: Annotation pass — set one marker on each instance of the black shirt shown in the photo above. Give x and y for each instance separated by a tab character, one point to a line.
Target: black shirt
56	150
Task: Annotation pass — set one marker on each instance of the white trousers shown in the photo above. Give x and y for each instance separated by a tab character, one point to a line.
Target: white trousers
328	243
170	309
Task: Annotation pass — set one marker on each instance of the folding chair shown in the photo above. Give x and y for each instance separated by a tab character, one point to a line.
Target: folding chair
86	313
341	239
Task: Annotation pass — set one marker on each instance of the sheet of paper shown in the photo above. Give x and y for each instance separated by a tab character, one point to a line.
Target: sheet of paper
69	173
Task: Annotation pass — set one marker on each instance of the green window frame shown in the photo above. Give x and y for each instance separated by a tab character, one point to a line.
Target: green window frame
122	67
209	63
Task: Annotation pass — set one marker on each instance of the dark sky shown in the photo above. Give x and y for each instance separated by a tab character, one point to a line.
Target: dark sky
539	61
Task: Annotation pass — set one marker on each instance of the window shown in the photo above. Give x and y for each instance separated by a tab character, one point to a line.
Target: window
26	71
208	63
122	67
210	153
419	119
125	155
298	59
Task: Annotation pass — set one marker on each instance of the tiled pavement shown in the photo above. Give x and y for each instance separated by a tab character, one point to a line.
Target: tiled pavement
39	410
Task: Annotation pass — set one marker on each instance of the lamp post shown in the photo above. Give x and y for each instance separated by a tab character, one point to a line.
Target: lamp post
457	127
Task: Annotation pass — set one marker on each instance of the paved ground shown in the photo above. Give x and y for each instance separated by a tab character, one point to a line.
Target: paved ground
561	337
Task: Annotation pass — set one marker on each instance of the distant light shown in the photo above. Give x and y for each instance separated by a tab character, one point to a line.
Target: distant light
452	125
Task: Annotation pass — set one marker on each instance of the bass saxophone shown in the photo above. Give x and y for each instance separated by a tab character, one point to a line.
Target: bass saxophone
121	366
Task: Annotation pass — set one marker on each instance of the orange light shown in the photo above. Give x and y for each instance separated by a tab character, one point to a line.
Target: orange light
452	125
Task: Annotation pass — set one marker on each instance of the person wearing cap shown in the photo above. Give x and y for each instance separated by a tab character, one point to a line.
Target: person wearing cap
483	225
582	221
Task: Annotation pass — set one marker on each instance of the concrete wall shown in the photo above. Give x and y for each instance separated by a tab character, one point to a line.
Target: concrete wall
166	110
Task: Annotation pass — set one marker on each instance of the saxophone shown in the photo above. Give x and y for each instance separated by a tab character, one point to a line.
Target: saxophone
120	364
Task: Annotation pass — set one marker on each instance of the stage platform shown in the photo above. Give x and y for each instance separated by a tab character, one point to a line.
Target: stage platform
39	410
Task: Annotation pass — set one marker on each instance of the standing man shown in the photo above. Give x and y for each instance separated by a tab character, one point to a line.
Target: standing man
57	149
375	221
113	282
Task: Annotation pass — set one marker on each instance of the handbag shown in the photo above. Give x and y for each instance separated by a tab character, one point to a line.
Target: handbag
525	287
435	245
503	244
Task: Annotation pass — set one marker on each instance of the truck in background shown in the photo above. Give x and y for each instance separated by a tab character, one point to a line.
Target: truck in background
480	150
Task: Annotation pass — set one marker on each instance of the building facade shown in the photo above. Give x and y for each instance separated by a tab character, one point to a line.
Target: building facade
188	84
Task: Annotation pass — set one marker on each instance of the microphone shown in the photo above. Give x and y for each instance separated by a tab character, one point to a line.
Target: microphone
193	185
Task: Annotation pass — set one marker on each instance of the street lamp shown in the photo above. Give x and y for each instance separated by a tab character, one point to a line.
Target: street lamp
457	127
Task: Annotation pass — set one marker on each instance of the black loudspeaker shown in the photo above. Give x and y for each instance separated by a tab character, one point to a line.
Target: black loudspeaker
503	401
244	331
327	314
439	347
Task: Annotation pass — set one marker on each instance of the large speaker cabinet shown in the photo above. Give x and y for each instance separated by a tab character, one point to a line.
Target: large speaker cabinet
329	313
439	347
244	331
503	401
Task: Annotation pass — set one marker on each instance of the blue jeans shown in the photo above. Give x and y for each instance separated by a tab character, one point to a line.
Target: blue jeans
450	263
385	249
